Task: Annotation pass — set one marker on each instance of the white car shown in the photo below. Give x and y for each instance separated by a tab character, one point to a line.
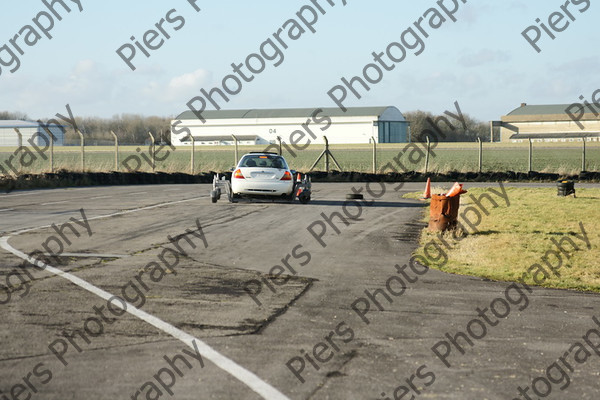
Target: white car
261	175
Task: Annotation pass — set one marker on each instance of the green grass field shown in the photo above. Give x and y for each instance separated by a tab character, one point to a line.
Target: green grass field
562	158
512	238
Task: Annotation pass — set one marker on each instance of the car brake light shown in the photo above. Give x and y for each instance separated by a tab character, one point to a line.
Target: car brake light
238	174
286	176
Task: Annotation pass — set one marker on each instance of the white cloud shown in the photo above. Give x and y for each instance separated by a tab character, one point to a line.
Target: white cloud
92	89
186	85
192	79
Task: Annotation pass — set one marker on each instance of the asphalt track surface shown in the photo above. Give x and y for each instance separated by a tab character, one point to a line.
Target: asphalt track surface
200	303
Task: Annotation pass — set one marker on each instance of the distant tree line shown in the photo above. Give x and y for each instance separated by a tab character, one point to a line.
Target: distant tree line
7	115
474	128
129	128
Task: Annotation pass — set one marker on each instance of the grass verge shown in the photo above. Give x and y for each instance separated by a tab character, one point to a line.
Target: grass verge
511	240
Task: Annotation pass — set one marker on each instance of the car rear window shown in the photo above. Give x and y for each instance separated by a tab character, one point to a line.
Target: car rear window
263	161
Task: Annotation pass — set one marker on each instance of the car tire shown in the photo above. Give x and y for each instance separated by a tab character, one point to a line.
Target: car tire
214	196
304	199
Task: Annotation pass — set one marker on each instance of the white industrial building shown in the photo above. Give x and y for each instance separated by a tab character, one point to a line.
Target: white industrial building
356	125
550	123
32	133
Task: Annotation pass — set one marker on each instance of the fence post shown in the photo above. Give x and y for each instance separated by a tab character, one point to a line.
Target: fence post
583	156
193	156
82	143
116	150
374	155
236	150
427	154
530	155
279	141
152	150
326	153
480	153
52	151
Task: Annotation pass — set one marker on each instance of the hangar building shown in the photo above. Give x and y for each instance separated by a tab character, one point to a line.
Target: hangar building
31	132
549	123
356	125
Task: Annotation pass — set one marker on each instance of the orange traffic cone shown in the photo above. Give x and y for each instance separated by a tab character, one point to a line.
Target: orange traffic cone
456	190
299	178
427	192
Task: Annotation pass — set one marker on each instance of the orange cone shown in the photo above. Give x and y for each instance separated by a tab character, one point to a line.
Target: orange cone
427	192
299	178
456	190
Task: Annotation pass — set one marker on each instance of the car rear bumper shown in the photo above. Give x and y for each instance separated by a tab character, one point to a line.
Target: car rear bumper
262	188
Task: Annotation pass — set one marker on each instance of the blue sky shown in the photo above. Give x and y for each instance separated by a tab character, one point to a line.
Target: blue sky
482	61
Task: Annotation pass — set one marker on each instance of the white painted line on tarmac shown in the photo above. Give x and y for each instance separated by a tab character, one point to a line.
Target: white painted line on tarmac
172	190
245	376
114	214
94	255
19	194
7	209
54	202
100	197
133	194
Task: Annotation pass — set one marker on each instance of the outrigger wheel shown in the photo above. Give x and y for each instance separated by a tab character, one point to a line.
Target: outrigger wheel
304	198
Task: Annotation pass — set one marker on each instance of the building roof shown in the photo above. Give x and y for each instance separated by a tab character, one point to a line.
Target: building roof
547	109
12	123
549	113
555	135
288	113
